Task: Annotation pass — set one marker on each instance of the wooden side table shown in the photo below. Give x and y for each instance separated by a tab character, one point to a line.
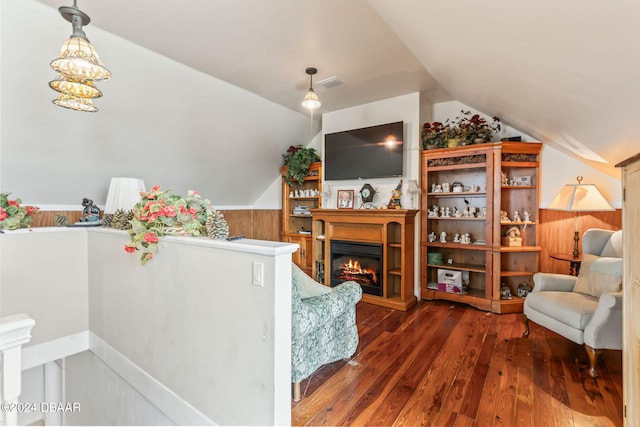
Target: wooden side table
574	262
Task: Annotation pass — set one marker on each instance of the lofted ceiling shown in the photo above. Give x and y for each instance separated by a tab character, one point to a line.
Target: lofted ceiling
562	71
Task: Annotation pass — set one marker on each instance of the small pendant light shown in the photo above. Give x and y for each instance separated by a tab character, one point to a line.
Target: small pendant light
311	100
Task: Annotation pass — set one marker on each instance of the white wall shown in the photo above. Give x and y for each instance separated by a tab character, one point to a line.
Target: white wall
43	273
192	319
404	108
104	397
159	120
189	327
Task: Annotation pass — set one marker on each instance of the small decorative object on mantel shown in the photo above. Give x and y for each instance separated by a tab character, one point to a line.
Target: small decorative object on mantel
394	203
367	192
217	227
13	215
297	159
159	213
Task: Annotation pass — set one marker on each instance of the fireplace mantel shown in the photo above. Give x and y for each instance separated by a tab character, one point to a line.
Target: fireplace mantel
393	228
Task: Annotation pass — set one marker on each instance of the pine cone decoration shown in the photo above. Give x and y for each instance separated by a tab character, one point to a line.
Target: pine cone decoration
217	227
121	218
61	220
106	220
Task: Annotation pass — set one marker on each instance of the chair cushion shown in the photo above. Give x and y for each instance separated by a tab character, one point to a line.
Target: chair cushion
571	308
599	275
307	287
613	247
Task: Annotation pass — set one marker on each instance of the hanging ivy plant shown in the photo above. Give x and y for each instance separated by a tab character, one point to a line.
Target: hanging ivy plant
297	159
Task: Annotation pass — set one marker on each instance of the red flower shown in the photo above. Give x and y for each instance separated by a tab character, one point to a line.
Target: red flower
3	214
148	255
155	188
31	210
130	249
150	238
13	203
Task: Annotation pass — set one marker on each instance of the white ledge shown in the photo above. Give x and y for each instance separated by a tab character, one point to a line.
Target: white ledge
259	247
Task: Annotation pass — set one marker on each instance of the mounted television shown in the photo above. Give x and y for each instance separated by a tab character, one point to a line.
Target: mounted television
371	152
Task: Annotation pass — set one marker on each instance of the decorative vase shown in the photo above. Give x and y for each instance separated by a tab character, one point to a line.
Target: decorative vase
453	142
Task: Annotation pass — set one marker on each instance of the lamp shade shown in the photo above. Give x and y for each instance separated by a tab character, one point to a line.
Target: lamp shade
73	102
78	59
580	198
124	193
311	100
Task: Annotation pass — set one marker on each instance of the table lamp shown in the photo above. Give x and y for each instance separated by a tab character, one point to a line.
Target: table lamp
579	198
123	194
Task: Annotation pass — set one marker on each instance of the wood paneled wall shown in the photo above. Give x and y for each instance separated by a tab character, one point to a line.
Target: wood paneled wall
557	229
251	223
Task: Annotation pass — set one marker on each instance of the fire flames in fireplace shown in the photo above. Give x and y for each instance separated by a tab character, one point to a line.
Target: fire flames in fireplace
352	270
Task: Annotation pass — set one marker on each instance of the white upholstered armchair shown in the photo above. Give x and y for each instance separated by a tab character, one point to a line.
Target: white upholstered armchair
586	309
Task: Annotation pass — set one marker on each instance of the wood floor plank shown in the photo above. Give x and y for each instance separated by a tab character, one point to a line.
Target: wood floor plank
424	406
382	353
447	364
369	404
470	355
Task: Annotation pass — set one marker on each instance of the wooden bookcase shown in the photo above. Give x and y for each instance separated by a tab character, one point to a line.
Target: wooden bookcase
296	228
484	264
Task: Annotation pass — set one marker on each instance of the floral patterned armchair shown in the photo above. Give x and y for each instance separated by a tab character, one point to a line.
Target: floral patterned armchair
323	324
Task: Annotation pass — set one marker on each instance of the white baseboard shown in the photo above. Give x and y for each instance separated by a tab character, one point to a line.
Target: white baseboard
173	406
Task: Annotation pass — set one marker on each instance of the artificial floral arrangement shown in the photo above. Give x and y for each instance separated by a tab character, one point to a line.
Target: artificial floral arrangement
468	128
297	159
13	215
159	213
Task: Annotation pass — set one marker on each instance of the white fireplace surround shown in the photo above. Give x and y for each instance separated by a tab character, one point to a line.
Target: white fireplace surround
192	330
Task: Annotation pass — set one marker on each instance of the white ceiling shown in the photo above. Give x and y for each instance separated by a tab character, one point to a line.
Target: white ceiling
562	71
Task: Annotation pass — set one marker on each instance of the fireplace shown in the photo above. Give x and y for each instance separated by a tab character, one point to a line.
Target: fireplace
360	262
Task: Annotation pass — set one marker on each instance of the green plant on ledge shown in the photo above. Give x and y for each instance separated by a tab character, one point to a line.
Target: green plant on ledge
297	159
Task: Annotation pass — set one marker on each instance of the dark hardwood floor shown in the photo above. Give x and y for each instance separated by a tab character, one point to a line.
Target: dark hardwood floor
443	364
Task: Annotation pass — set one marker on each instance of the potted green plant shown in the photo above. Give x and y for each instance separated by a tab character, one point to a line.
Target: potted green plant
475	129
297	160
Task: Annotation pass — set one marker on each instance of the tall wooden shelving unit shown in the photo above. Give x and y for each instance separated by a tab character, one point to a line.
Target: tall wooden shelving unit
296	228
485	262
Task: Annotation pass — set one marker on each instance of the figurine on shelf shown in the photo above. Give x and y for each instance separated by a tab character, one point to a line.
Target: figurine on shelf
483	213
433	213
443	237
438	189
513	232
445	187
433	187
91	213
432	237
516	216
505	292
457	213
447	212
465	239
526	216
505	180
456	238
504	216
394	203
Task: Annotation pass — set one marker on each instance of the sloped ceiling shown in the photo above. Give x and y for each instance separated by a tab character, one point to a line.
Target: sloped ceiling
564	72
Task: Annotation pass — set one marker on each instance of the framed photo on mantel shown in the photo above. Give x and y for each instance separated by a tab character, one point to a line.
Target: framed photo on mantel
345	199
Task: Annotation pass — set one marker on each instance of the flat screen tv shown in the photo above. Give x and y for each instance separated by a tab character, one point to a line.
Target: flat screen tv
371	152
